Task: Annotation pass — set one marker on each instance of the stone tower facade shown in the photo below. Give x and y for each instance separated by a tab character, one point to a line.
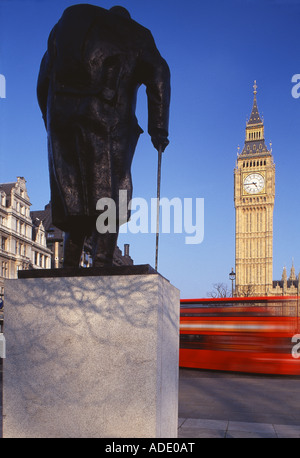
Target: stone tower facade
254	194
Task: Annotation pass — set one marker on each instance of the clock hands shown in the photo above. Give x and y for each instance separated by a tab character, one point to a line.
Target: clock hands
254	186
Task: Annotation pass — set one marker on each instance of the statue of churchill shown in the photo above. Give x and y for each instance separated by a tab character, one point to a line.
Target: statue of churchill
95	62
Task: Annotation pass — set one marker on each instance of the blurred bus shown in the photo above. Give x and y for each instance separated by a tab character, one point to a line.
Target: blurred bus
251	334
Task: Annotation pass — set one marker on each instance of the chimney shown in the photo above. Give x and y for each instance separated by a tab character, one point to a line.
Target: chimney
126	249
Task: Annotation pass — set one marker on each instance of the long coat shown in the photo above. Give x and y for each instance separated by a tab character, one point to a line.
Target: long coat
87	89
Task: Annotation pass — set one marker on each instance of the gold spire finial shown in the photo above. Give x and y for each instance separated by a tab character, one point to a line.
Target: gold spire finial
255	87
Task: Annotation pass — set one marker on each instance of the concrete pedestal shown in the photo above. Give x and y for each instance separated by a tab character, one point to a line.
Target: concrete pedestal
91	357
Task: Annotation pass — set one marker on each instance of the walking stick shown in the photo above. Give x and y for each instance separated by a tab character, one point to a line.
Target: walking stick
157	205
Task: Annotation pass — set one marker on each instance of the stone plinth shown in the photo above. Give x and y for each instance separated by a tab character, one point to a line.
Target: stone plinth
91	356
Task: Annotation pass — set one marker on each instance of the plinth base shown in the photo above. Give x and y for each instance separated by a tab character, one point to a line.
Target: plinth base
91	357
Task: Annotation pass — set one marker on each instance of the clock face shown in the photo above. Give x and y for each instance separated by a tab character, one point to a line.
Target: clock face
254	183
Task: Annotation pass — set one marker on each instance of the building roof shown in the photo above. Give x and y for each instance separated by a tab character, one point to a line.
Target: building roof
255	148
255	116
46	218
289	283
7	187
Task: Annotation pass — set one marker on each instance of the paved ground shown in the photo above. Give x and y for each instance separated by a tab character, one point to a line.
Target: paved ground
217	404
197	428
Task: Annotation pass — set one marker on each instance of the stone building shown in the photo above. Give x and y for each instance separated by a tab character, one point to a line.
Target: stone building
287	286
29	240
22	246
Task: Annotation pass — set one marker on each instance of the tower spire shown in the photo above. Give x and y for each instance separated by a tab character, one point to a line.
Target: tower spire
255	87
255	137
293	273
254	117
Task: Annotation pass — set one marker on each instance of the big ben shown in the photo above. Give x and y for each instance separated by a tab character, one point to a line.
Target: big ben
254	194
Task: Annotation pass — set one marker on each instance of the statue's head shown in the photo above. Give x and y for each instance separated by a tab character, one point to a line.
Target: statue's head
121	11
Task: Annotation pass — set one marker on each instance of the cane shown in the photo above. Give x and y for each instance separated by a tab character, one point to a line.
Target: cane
157	205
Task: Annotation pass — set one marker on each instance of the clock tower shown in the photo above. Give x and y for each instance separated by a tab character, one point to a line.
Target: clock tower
254	193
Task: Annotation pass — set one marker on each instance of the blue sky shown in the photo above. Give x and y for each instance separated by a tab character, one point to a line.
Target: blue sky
215	50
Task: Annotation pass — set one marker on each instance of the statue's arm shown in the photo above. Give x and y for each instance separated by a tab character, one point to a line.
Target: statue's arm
157	80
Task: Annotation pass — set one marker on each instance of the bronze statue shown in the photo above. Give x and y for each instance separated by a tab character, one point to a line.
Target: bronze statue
87	88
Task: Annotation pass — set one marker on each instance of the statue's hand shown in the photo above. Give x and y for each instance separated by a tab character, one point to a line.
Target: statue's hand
160	142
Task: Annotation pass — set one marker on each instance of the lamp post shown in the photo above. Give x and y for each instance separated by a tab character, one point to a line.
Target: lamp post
1	313
232	278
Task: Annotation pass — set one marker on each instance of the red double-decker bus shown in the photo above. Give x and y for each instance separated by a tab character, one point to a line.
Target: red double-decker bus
251	334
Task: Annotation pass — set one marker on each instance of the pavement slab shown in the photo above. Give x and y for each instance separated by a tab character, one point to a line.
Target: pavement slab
207	428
